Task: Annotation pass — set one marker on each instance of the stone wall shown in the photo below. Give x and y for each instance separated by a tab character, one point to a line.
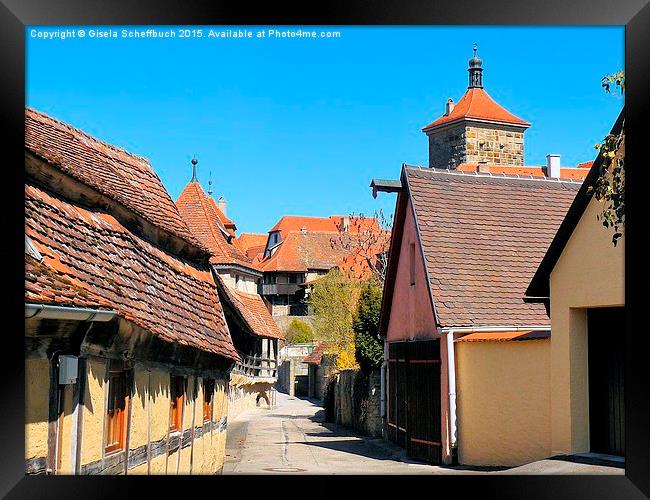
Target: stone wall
353	399
471	143
246	393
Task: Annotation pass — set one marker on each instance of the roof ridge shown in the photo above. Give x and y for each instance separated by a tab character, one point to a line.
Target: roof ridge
448	171
87	135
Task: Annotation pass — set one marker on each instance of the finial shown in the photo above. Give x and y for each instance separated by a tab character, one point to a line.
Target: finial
475	70
194	162
210	184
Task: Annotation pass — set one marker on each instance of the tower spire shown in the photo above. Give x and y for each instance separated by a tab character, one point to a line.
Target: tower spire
194	162
475	71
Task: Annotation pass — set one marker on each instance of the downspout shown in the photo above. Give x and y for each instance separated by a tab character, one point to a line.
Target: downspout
382	411
451	377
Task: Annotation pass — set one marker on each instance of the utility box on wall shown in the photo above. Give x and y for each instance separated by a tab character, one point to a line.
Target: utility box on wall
68	368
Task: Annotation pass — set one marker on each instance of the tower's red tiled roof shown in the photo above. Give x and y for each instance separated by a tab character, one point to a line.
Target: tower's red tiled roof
202	216
578	173
483	237
478	105
90	258
111	171
254	312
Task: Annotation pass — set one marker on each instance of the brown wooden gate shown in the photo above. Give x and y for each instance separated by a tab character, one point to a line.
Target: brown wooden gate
414	398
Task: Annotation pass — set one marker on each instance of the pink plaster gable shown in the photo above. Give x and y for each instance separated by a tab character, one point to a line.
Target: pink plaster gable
411	313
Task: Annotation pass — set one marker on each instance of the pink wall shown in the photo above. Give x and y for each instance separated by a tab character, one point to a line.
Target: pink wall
411	315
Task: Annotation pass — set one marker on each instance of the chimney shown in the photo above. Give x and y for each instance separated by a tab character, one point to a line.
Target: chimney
483	167
345	223
449	107
221	203
553	166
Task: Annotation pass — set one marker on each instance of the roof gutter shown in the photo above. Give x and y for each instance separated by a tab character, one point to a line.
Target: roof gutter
499	328
67	313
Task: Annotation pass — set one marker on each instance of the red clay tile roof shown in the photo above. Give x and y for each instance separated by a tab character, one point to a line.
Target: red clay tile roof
536	171
251	240
252	245
331	224
172	298
478	105
202	216
45	285
483	238
505	336
289	223
586	164
254	312
316	356
227	223
300	252
112	171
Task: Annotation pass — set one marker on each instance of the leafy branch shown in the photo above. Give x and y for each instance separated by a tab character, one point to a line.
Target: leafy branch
610	185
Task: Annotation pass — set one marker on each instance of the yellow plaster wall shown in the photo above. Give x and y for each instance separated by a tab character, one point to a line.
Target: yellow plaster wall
66	432
184	466
589	273
93	417
503	402
37	387
160	401
139	417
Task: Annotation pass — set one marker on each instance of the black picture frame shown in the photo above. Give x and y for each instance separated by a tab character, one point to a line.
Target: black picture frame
633	14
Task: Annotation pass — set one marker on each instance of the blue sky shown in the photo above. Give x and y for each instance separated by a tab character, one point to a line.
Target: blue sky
301	126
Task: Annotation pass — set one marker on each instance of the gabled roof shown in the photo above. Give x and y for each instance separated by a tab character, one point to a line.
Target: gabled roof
202	216
482	238
124	177
476	104
252	311
91	259
539	286
578	173
300	252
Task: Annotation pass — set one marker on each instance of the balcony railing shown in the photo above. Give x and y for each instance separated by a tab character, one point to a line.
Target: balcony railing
279	288
256	366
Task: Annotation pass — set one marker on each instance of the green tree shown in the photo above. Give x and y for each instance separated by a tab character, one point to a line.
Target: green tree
299	332
610	186
333	298
368	344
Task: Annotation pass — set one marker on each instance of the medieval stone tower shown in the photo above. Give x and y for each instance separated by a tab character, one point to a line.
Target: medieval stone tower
476	129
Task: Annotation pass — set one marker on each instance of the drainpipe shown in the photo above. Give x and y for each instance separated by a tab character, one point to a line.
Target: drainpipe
451	362
451	367
383	386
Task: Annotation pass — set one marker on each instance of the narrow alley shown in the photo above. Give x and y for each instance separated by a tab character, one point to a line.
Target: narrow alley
293	438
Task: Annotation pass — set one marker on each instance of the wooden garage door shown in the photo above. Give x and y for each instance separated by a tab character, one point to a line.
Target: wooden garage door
414	398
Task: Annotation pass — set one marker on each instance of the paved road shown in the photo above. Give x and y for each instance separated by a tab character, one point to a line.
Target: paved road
293	438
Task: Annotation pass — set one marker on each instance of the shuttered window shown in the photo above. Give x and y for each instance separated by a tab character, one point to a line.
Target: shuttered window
177	389
208	398
117	408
